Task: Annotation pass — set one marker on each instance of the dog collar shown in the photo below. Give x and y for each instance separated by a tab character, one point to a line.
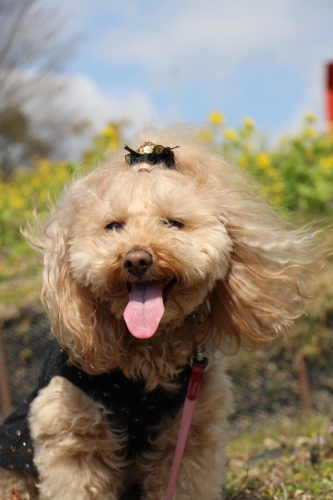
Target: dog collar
152	154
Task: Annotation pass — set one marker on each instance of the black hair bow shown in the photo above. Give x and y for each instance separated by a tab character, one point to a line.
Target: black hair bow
152	154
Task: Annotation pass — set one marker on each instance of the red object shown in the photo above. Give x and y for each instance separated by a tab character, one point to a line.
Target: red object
195	381
193	390
330	93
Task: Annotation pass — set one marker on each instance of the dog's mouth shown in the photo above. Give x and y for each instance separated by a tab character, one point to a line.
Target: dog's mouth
145	307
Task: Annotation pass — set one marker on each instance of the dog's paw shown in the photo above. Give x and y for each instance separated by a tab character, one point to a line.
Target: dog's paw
62	408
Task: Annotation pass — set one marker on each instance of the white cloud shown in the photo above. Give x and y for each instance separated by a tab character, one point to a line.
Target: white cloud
101	107
91	104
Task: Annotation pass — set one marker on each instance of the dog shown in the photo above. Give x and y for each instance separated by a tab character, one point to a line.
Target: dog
148	260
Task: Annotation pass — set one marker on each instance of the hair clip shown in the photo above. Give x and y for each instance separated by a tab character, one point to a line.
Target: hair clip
152	154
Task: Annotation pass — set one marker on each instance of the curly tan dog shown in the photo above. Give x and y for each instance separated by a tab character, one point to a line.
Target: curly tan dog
146	261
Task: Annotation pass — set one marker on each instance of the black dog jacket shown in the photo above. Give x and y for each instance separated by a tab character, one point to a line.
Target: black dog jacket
135	410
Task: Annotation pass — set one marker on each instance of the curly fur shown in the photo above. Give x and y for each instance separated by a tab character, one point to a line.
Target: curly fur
236	264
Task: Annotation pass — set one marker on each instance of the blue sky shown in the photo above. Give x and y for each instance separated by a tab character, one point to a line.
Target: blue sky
178	60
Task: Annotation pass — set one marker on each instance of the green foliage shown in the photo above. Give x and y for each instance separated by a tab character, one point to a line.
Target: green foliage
292	461
22	193
296	174
25	190
29	189
109	140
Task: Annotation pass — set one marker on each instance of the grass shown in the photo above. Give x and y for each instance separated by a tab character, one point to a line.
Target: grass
20	281
291	462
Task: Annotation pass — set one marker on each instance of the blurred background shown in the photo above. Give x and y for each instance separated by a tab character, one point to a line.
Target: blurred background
79	78
73	66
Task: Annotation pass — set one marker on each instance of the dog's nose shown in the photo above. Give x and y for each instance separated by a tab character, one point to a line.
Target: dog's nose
137	262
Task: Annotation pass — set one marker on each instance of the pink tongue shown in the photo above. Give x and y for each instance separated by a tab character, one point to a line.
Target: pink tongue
144	310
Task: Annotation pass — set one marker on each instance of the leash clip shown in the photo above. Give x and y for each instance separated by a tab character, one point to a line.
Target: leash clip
201	357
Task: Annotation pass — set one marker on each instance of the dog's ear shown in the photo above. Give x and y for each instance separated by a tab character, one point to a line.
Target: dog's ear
62	297
76	318
260	298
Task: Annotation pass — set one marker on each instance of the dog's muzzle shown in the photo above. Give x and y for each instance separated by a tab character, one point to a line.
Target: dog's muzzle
147	299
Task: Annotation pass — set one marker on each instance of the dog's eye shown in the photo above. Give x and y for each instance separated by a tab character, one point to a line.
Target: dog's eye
173	223
114	225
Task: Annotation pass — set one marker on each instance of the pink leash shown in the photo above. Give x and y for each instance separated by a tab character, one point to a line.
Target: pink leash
192	394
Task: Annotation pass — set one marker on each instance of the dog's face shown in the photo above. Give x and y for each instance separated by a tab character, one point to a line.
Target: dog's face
149	245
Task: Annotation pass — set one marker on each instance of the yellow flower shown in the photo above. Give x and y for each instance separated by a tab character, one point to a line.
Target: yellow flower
249	123
205	135
230	134
277	188
37	182
247	146
310	117
327	162
44	165
309	132
16	201
273	173
110	132
113	145
263	160
216	118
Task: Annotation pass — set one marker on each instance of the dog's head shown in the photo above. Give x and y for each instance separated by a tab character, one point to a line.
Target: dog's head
136	248
150	248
